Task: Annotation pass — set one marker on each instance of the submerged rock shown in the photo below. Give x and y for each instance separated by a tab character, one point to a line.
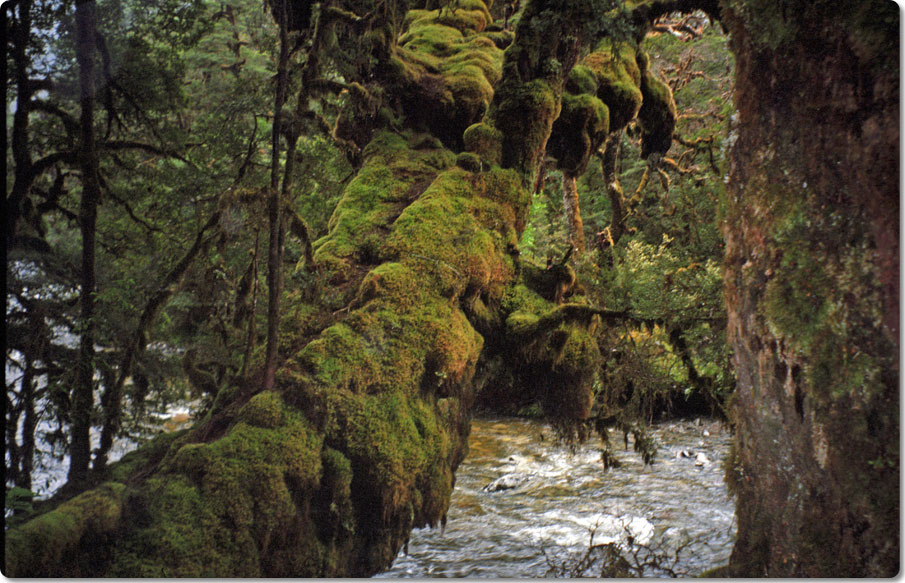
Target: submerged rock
508	482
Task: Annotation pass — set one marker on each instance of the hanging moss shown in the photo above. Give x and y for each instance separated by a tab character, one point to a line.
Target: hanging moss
579	131
525	117
618	75
657	115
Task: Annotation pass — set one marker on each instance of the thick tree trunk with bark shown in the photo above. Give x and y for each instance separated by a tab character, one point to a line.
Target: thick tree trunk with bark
812	288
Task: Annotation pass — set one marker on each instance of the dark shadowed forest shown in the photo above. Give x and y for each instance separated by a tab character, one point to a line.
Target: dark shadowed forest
268	259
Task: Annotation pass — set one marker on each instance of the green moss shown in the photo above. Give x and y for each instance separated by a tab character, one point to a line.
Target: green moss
374	198
524	116
444	70
578	132
471	16
53	544
501	38
810	300
618	77
574	356
338	519
469	161
484	140
223	507
581	80
520	298
657	116
150	453
470	249
263	410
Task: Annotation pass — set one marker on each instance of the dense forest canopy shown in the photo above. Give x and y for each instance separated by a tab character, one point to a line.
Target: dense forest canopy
338	229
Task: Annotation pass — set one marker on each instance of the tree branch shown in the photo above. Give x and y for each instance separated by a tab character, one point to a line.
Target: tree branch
131	213
139	340
69	122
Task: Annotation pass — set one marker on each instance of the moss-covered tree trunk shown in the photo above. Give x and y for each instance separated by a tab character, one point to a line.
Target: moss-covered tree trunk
812	288
358	442
422	301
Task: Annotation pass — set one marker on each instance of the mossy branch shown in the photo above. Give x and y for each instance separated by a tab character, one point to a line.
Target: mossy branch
300	230
579	313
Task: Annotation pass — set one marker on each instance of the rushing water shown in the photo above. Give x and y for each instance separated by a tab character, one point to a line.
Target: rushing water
561	497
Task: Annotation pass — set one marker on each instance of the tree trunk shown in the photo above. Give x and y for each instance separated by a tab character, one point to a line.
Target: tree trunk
274	208
29	425
573	214
812	289
368	419
83	391
22	172
609	163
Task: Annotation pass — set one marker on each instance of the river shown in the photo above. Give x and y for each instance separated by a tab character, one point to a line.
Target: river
543	526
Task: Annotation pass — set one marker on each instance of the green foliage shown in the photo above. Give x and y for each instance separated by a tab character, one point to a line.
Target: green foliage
18	505
666	270
415	276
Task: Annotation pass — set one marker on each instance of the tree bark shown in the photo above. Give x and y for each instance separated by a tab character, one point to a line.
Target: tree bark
274	209
609	165
573	214
22	171
83	391
29	425
812	289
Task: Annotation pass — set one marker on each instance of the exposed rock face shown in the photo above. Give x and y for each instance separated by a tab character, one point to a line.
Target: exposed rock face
812	288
